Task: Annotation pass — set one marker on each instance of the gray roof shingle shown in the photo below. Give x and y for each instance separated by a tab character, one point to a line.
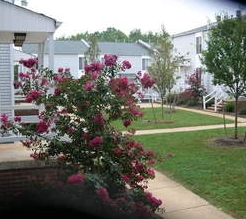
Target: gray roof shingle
60	47
122	49
79	47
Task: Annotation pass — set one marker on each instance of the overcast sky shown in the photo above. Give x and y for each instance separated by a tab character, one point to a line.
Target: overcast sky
79	16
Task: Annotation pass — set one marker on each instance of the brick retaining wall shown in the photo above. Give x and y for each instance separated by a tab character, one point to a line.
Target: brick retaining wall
15	177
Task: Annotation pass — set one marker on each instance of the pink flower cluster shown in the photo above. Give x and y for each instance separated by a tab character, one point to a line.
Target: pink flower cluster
29	63
5	120
96	141
99	119
17	84
194	79
24	76
42	127
33	95
153	200
123	87
110	60
94	67
126	65
103	194
146	80
76	178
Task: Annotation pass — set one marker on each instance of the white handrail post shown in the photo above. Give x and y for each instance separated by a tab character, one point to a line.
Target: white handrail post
215	103
204	103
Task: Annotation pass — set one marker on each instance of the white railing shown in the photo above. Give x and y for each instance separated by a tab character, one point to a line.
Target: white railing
218	97
151	97
27	118
11	137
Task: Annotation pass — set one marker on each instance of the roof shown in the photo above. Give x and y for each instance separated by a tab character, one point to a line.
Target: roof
60	47
123	49
80	47
26	9
17	19
195	30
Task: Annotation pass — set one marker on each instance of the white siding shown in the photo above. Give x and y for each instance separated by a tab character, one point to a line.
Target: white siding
136	63
65	61
6	78
186	46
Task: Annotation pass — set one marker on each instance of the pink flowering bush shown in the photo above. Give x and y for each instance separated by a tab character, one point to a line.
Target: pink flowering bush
75	130
192	96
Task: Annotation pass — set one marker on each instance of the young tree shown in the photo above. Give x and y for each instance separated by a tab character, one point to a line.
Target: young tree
225	57
93	52
164	65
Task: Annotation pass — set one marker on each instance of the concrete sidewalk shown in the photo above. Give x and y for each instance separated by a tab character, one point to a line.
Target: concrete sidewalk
178	202
181	203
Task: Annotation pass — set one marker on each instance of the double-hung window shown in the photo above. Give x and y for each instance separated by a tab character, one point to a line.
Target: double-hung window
81	63
198	45
145	63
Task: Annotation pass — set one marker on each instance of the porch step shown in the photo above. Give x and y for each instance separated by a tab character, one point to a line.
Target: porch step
212	107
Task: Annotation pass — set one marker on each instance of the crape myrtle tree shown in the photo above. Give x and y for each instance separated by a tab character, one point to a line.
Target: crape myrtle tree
75	131
225	57
164	65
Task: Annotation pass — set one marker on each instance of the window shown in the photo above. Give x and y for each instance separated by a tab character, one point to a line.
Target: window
198	45
145	63
81	63
16	71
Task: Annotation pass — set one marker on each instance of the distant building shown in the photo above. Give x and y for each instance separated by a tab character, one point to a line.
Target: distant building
190	44
71	54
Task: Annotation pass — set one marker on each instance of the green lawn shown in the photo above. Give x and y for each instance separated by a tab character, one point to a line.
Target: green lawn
180	118
215	173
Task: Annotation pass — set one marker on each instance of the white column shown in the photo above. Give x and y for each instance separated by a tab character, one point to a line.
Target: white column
51	51
41	54
12	78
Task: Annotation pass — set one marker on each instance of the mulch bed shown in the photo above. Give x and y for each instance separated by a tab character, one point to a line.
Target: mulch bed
229	141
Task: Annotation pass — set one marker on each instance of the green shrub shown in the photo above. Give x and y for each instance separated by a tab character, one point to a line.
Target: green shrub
243	111
171	97
192	102
229	106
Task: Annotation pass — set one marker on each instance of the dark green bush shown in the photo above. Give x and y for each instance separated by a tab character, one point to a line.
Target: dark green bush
171	97
243	111
192	102
229	106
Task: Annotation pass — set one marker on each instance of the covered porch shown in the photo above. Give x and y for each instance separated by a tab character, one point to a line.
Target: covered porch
19	26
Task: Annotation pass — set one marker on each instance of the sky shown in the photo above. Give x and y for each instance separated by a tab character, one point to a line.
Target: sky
176	16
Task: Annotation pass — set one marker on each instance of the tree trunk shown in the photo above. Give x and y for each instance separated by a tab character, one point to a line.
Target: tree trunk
236	115
162	107
153	111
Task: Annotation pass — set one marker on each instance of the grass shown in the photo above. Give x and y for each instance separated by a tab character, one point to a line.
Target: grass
216	173
180	118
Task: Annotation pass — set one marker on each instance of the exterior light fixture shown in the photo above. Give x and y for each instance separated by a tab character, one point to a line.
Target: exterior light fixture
19	39
24	3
